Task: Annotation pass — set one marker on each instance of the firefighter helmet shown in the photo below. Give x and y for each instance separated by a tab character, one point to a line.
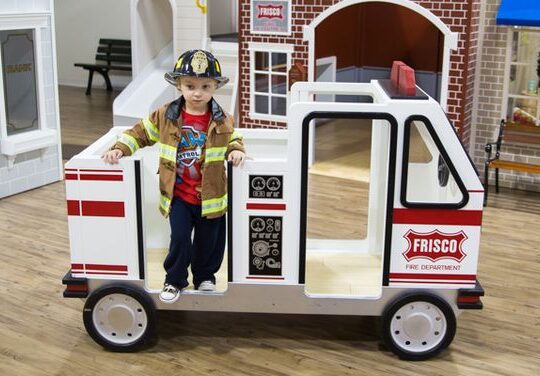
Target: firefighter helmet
197	63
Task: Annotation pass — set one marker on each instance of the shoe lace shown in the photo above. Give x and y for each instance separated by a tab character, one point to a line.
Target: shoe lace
170	288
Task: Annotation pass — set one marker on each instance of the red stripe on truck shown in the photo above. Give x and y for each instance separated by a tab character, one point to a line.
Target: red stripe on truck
438	217
73	207
102	177
118	268
96	208
260	206
103	208
432	282
465	277
89	170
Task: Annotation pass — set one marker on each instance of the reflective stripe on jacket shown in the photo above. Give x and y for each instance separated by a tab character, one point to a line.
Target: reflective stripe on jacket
164	126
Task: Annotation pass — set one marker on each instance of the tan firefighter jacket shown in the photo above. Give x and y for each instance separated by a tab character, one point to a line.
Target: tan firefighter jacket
164	126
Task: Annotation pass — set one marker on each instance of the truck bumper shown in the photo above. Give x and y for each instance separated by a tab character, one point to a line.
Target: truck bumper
75	287
470	298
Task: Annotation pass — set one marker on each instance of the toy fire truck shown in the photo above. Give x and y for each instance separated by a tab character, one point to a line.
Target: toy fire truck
424	210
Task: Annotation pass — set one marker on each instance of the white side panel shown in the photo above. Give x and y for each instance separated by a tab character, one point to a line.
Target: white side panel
265	143
102	218
242	230
156	228
74	225
431	256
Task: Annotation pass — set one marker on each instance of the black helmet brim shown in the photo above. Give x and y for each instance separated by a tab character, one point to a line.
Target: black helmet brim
171	77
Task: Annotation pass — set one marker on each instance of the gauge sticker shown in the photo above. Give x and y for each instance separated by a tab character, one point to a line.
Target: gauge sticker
265	252
266	186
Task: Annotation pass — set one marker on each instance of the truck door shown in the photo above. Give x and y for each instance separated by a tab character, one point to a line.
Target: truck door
342	212
437	217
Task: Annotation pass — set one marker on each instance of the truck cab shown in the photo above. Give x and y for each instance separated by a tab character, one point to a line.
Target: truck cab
412	259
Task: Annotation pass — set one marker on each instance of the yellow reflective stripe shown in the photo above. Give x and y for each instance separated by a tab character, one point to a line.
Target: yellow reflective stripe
165	203
214	205
236	142
215	154
235	136
129	141
167	152
179	63
151	130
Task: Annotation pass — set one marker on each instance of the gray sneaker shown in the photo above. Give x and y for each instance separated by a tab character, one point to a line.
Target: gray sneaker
207	286
169	294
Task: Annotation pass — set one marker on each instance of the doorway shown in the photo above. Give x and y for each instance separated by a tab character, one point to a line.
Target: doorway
346	204
366	37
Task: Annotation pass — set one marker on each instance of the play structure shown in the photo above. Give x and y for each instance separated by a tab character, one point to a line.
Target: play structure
160	31
419	255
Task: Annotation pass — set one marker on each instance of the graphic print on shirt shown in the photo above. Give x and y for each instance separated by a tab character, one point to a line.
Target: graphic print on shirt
190	153
190	157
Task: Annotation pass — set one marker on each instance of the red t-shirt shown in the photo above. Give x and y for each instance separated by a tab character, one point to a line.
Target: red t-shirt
190	156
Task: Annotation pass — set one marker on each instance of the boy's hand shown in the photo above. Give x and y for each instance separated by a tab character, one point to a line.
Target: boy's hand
112	156
237	158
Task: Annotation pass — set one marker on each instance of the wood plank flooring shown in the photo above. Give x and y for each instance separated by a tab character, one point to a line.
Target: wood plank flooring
42	334
84	118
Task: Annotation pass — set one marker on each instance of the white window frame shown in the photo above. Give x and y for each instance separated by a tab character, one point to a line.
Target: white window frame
270	48
508	67
42	137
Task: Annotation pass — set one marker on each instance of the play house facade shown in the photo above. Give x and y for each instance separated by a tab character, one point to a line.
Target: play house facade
265	46
355	41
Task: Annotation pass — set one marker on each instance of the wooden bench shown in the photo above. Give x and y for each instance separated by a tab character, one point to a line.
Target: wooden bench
510	133
117	55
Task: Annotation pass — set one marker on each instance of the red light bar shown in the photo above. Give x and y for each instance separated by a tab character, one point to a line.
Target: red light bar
468	299
77	288
406	80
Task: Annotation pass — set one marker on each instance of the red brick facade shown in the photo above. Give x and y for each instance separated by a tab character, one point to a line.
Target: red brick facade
461	16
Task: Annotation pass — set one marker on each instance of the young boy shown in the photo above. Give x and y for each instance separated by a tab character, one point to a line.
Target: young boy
195	136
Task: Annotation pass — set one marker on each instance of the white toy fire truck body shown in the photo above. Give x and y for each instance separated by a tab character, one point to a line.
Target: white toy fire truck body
426	231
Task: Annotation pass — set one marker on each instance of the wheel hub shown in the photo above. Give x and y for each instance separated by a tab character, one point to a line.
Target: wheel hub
120	318
418	327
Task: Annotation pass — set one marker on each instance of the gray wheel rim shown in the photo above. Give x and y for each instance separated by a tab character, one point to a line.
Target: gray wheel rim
418	327
120	318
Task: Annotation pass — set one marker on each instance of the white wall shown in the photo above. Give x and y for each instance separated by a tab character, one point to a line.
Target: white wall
43	166
152	31
79	26
222	17
25	6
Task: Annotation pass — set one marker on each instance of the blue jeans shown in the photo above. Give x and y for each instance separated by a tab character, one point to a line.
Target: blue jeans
205	252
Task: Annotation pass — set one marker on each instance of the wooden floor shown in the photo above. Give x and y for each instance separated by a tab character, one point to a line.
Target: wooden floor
84	118
42	334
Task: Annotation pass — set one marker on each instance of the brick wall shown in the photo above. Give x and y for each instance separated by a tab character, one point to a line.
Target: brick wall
490	102
461	16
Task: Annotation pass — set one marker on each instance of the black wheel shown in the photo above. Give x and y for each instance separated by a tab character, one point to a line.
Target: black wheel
418	326
120	318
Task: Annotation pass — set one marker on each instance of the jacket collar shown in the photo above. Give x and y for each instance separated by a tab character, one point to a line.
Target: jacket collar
175	108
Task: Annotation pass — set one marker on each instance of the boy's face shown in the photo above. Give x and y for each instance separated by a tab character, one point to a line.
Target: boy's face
197	92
